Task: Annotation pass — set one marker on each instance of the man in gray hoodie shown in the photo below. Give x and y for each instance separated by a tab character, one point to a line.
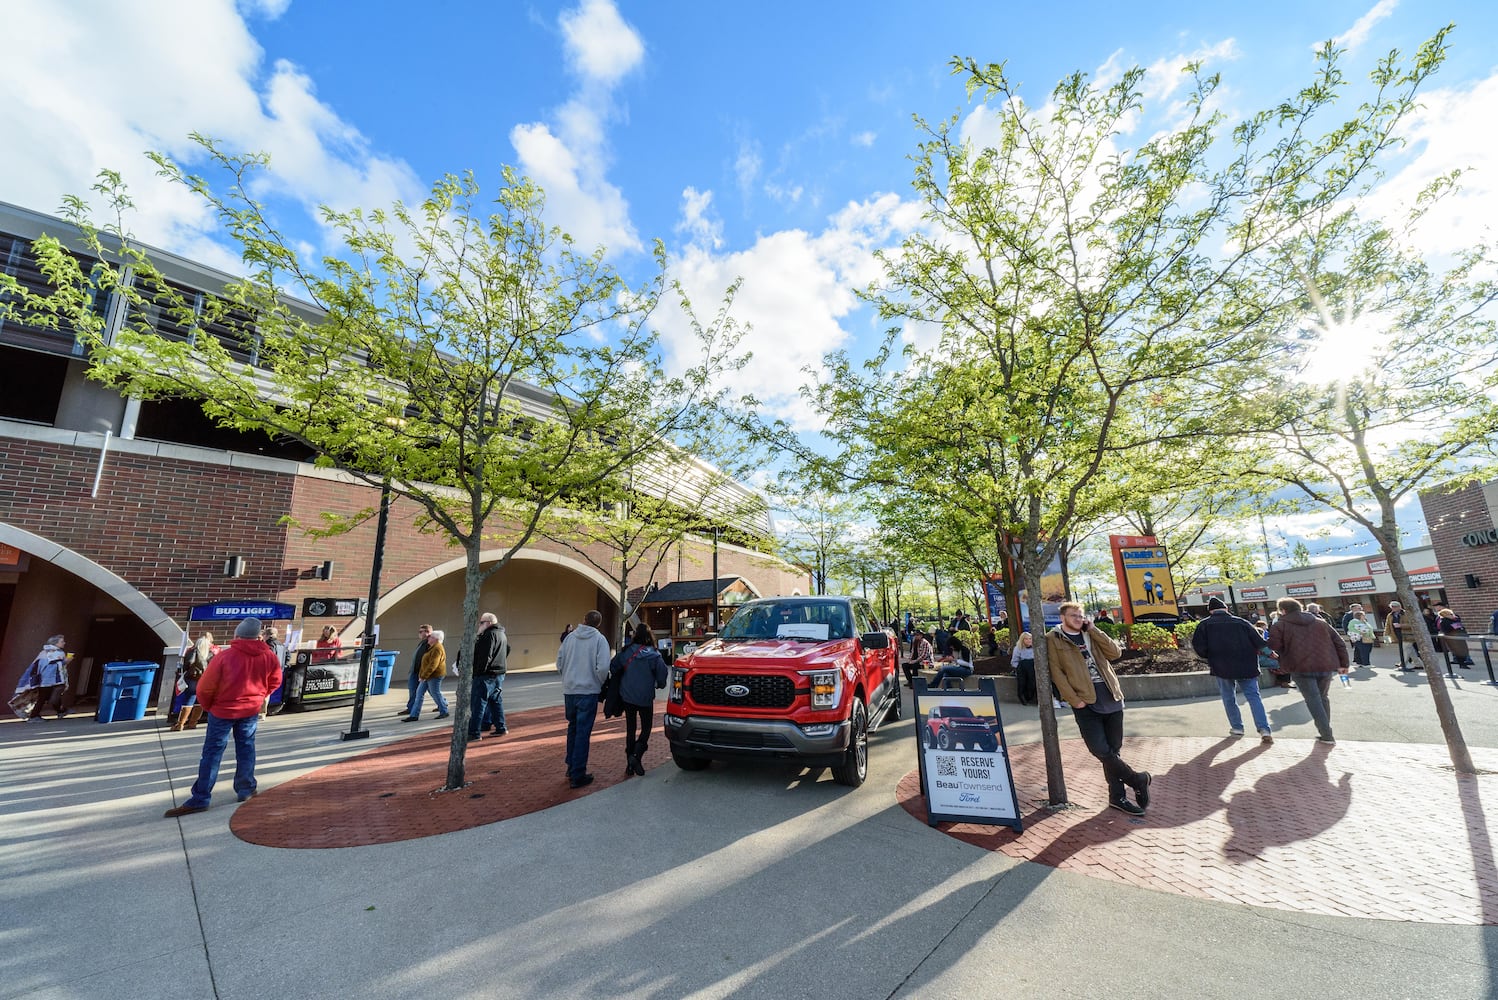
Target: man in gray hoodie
583	662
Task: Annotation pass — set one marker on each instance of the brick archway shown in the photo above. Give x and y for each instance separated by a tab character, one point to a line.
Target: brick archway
148	611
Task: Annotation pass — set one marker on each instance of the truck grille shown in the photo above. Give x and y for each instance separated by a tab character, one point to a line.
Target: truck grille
764	692
745	741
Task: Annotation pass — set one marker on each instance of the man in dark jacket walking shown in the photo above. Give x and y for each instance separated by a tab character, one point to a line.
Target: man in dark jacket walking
491	648
1313	652
1231	647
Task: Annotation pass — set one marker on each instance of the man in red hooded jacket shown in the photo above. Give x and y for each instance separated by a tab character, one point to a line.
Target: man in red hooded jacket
232	690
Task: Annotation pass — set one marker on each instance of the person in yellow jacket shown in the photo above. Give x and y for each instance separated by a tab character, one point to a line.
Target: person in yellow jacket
430	673
1079	656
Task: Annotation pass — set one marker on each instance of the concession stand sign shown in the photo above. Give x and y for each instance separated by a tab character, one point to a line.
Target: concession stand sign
1356	585
1300	590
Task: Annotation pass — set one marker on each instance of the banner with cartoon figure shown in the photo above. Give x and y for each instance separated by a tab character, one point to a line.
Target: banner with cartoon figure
1144	581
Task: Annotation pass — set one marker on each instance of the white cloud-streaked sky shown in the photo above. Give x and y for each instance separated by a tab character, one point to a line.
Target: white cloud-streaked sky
752	152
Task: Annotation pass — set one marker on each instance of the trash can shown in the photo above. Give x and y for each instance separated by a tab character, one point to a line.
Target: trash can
382	670
125	691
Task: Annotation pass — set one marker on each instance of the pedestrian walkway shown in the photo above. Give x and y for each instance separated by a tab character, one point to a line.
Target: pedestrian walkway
744	881
1374	830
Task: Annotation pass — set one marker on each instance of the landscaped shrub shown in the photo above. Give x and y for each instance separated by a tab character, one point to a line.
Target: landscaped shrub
1183	633
1111	629
1150	638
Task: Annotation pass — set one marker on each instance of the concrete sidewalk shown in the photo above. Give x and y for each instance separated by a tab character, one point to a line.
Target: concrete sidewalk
737	881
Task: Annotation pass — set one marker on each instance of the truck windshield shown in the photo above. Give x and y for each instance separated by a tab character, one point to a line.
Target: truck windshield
790	619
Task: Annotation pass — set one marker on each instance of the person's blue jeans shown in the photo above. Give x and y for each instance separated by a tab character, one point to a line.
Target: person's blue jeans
1250	688
413	684
950	672
434	685
582	710
1316	691
214	743
487	705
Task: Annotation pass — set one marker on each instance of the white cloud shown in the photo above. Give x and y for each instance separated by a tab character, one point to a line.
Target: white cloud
268	9
569	156
746	166
697	221
1441	137
865	139
64	100
600	45
1355	36
798	290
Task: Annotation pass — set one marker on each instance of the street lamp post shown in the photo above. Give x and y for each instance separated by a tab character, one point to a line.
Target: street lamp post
366	650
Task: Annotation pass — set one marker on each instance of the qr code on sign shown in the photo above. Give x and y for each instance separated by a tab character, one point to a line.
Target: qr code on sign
946	767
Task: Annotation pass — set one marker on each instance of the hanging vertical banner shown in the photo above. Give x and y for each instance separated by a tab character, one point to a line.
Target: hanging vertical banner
1144	581
964	757
1053	591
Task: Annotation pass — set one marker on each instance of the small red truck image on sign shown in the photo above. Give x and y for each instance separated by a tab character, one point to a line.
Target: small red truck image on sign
788	678
952	727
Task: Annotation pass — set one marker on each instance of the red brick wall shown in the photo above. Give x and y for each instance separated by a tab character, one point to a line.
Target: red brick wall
1451	515
167	525
163	525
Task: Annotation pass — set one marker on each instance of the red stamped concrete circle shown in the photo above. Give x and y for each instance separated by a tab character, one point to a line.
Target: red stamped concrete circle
393	793
1377	830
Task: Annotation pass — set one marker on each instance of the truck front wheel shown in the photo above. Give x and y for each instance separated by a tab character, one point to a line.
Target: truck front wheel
854	767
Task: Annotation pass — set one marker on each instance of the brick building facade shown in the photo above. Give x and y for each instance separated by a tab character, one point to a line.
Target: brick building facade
1462	531
117	570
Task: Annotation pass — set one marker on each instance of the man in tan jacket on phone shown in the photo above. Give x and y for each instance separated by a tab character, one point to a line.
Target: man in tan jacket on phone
1079	655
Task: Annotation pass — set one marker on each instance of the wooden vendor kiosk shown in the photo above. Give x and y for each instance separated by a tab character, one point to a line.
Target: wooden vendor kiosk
681	612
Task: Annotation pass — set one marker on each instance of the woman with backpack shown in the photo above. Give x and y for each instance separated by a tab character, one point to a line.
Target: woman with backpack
193	664
636	673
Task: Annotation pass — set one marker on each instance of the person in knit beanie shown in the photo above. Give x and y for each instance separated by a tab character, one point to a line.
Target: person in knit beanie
231	691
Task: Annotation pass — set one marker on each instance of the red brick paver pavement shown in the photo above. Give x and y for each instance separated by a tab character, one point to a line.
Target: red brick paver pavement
1378	830
392	793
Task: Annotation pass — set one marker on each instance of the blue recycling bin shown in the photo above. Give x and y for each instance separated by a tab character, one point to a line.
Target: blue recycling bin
382	670
125	691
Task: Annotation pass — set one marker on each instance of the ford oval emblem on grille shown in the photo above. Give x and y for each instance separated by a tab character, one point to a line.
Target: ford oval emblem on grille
736	691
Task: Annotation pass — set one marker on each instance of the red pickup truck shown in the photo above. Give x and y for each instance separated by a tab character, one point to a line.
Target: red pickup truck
788	678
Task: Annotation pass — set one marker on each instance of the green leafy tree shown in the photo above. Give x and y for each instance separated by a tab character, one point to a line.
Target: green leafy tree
1413	404
1078	284
464	353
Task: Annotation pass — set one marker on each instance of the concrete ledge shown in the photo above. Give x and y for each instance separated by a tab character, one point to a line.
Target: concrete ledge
1136	687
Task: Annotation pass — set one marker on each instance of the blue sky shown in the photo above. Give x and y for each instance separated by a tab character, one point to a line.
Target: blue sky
766	141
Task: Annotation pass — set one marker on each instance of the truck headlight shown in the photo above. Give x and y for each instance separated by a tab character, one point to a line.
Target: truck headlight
826	687
678	692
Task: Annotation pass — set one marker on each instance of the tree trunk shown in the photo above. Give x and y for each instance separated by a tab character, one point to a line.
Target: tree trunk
473	583
1456	744
1055	776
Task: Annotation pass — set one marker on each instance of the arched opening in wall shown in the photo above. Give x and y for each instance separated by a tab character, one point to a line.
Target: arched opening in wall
44	600
535	597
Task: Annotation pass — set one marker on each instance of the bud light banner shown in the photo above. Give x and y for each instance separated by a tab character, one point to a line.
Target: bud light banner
1144	581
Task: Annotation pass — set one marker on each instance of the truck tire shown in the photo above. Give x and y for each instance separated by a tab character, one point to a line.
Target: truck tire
687	763
944	739
854	767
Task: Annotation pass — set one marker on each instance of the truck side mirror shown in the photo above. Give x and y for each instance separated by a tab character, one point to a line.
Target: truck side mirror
876	640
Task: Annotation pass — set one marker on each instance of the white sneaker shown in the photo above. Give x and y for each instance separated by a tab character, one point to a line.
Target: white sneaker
1235	732
1058	703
